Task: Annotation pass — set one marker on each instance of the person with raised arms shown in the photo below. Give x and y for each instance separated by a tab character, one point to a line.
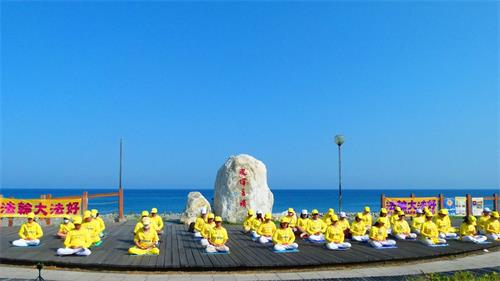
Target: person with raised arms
30	233
77	241
283	237
316	227
334	235
218	238
145	239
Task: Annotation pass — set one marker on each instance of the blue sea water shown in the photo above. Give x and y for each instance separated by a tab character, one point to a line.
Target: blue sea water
174	200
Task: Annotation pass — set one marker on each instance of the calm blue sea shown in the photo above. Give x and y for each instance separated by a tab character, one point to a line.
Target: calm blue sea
174	200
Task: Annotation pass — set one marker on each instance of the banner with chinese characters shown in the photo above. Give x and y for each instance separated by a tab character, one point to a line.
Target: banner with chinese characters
43	208
409	205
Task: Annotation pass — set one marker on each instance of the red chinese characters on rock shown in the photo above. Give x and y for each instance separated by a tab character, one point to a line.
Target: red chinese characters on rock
243	183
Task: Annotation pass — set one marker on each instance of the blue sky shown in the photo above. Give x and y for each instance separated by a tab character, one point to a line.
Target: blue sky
412	86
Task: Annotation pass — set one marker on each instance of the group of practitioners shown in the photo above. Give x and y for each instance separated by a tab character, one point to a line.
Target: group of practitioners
80	234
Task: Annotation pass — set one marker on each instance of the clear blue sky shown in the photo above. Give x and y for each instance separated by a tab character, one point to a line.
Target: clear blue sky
412	86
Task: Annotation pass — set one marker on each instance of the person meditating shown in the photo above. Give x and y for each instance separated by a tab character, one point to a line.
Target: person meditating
493	227
417	221
283	237
200	221
367	217
358	229
302	222
92	226
401	228
385	220
292	219
266	229
157	221
218	238
65	227
316	227
248	221
77	241
30	233
378	235
145	240
429	232
334	235
99	221
443	222
468	231
207	227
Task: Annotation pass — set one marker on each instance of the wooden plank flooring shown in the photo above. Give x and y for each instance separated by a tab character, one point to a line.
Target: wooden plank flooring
180	252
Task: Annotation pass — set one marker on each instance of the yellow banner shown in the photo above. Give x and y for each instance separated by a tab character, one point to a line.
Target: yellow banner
43	208
410	205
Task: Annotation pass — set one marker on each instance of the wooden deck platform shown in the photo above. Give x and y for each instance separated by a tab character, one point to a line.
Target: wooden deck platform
180	252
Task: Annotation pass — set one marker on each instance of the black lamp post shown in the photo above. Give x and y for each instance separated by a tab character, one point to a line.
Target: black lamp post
339	140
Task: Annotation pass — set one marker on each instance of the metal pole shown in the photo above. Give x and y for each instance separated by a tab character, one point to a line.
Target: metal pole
340	180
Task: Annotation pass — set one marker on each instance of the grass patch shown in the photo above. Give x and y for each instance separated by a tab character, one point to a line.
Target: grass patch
457	276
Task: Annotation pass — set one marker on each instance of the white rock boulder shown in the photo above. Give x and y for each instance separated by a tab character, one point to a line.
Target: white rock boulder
195	202
241	184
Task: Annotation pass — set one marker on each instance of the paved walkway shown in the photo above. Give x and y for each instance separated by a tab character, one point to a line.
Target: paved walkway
484	260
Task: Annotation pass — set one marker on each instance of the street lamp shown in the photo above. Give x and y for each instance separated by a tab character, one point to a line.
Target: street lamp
339	140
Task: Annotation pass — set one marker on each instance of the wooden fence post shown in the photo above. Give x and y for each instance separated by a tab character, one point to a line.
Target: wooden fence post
441	201
382	200
120	204
468	204
85	198
47	220
495	201
11	219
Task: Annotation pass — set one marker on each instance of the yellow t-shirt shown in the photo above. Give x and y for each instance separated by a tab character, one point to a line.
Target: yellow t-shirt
367	219
146	238
378	233
78	238
443	224
302	222
198	225
207	227
493	226
429	230
93	229
335	234
139	226
283	236
101	224
394	218
256	223
315	226
66	227
401	227
482	221
293	221
467	229
386	222
358	228
218	236
248	222
30	231
266	229
158	222
344	224
416	222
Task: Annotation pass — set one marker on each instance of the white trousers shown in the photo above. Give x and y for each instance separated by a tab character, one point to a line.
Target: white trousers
493	236
363	238
319	237
281	247
448	235
335	246
417	231
26	243
197	234
264	239
204	242
69	251
213	249
427	241
475	238
379	244
406	236
254	234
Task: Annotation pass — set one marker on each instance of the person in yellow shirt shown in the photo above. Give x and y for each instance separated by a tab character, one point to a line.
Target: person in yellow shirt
417	221
493	227
200	221
292	219
302	224
395	215
468	231
255	225
367	217
483	219
248	221
139	226
283	237
99	220
145	239
30	233
266	229
443	222
316	227
65	227
358	229
92	226
77	241
401	228
378	235
429	232
218	238
385	220
327	217
334	235
157	221
344	223
207	227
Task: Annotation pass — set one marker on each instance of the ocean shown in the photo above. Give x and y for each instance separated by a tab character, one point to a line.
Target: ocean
174	200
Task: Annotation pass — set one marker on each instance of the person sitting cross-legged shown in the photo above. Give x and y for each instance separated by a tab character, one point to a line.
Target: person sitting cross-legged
493	227
92	226
401	228
334	235
218	238
259	219
417	221
99	221
65	227
378	235
316	227
429	231
283	237
200	221
30	233
385	220
146	240
266	229
207	227
358	229
77	241
483	220
292	219
157	221
468	231
443	222
302	222
367	217
248	221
